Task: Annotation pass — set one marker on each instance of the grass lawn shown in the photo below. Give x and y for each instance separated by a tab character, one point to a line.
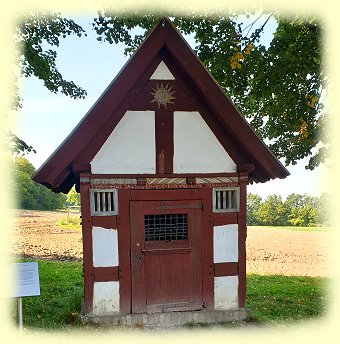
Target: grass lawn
295	228
61	293
270	299
70	222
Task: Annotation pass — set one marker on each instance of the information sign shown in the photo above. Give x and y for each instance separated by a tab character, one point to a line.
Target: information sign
26	279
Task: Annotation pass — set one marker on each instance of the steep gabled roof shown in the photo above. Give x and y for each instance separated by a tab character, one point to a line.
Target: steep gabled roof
164	43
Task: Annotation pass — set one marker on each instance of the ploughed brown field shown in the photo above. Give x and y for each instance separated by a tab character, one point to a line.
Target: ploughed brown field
269	251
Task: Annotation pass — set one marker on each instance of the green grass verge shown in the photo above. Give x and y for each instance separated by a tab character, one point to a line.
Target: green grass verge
61	294
70	222
295	228
275	298
270	299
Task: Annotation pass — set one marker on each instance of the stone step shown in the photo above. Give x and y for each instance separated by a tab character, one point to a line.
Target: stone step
168	319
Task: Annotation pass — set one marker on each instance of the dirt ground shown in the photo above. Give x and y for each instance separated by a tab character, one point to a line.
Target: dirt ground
269	251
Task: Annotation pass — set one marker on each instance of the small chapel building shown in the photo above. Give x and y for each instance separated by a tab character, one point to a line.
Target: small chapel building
162	161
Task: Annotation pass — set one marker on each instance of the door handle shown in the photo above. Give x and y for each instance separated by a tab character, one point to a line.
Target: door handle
139	258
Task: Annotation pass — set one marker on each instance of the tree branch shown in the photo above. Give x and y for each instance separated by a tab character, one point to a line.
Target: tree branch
258	31
251	25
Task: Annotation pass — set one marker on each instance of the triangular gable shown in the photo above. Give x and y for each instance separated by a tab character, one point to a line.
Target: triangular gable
162	72
164	55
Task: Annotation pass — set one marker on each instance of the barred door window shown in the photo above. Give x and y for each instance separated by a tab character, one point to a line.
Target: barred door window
165	227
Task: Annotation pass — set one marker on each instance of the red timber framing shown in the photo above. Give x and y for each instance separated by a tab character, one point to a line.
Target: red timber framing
164	129
207	249
124	251
86	222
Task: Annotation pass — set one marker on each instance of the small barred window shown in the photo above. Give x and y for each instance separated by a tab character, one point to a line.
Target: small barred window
104	202
165	227
225	199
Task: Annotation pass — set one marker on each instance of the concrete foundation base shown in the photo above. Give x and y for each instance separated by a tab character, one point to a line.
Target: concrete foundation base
169	319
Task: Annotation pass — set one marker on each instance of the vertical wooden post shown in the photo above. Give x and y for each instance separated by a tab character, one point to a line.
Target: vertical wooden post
124	251
242	234
87	242
207	248
164	131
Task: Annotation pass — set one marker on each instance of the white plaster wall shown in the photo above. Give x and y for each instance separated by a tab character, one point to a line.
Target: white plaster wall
196	149
226	243
105	297
105	247
226	292
131	146
162	72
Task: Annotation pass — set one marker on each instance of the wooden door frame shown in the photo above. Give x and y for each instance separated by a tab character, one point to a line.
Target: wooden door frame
204	194
140	250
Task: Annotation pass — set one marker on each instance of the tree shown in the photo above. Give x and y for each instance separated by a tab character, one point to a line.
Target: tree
296	210
38	35
253	205
325	210
271	212
277	88
34	35
31	195
73	198
302	210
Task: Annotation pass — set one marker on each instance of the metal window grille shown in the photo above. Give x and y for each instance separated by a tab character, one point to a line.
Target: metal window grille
165	227
103	202
225	199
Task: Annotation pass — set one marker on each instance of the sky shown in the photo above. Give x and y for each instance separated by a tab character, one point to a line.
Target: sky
46	118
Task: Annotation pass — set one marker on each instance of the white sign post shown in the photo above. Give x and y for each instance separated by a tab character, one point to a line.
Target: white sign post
26	284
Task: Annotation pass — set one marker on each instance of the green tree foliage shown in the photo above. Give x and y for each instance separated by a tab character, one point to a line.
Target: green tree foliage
271	212
277	88
302	210
296	210
73	198
325	210
38	35
17	146
253	205
31	195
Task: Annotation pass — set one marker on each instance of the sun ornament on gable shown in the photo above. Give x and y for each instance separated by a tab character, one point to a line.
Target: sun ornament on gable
162	95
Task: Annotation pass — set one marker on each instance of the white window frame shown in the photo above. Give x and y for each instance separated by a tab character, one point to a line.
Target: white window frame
230	210
103	213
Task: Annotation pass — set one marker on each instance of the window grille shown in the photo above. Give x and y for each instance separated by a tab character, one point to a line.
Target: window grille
165	227
104	202
225	199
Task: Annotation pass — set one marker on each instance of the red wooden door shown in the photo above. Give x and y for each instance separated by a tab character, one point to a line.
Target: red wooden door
166	256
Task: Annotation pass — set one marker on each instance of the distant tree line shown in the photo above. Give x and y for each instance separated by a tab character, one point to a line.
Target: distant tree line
295	210
31	195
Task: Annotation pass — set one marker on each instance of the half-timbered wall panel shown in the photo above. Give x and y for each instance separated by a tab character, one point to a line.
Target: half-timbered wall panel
105	247
131	146
105	298
196	148
226	292
226	243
